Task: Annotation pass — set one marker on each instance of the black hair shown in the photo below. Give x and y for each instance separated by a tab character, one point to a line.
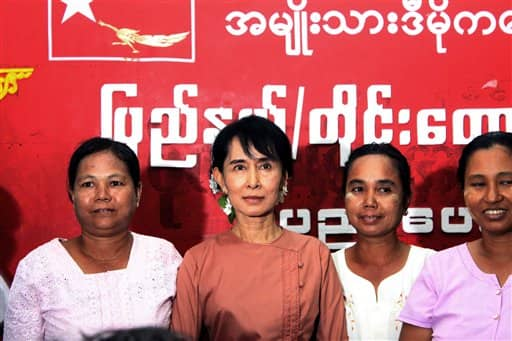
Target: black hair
399	161
265	136
484	141
99	144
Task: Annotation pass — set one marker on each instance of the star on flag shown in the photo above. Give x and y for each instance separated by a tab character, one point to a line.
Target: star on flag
78	6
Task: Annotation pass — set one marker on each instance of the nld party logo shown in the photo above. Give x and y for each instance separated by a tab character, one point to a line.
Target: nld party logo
121	30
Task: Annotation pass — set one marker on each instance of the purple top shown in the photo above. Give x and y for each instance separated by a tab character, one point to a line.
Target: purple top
454	298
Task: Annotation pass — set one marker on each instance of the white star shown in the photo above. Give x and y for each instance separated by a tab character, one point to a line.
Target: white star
77	6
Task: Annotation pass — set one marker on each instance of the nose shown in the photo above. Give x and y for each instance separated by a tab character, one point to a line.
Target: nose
493	193
253	179
369	200
103	192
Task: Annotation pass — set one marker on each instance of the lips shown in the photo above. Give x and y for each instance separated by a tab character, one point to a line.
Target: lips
495	213
253	199
103	211
369	219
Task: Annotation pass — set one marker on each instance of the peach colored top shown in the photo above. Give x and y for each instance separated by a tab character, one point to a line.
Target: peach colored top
229	289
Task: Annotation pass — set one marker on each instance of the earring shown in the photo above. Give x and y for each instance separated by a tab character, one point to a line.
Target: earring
214	186
227	208
283	193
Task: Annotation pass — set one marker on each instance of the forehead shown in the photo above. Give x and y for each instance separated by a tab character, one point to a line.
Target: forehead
493	160
101	161
236	151
375	166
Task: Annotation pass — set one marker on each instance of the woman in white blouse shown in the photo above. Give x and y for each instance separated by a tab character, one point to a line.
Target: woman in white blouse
378	271
107	277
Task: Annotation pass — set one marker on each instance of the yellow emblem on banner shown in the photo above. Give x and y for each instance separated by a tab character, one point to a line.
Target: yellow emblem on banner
128	36
9	82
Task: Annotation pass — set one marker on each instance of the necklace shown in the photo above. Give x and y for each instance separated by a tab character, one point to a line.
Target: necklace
117	255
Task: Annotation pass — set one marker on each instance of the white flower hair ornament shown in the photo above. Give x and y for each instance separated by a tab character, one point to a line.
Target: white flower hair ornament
223	201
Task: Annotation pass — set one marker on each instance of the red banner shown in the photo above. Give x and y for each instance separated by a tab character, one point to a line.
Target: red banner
165	76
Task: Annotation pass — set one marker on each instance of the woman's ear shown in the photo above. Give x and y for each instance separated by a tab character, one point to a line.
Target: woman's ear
219	179
406	207
138	193
284	179
71	196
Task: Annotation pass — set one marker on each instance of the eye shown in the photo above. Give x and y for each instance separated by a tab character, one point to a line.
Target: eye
115	183
266	165
86	184
476	184
356	189
506	182
385	189
238	167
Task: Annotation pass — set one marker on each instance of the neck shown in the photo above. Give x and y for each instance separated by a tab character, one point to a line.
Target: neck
377	250
262	230
496	247
105	249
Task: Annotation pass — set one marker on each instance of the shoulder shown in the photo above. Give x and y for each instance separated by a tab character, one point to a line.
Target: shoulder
156	248
441	265
42	254
418	253
214	241
339	257
339	261
40	264
208	245
447	255
153	241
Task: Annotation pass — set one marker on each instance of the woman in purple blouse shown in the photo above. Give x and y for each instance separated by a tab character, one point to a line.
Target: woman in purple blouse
465	292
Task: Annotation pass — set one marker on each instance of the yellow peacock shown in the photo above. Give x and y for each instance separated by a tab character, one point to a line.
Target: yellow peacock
130	37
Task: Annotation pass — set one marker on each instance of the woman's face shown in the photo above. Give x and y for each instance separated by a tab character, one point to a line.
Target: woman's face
488	189
252	184
374	196
103	195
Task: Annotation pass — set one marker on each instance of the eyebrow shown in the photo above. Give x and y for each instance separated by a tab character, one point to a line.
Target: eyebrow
380	182
90	176
482	175
238	161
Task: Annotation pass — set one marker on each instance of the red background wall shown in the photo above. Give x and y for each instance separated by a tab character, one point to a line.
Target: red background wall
332	74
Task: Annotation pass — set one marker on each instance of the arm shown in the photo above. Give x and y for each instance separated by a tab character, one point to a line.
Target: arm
332	322
186	316
418	313
413	333
23	319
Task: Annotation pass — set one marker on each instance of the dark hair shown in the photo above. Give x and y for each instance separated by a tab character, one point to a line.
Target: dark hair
136	334
386	149
266	137
484	141
99	144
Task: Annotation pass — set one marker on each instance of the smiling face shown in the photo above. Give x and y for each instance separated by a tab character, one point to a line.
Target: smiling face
252	183
488	189
103	195
374	196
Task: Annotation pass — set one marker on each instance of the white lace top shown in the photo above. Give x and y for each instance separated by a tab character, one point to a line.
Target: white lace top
52	299
371	317
4	292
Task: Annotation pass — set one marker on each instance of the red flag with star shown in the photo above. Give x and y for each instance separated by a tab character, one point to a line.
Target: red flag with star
121	30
